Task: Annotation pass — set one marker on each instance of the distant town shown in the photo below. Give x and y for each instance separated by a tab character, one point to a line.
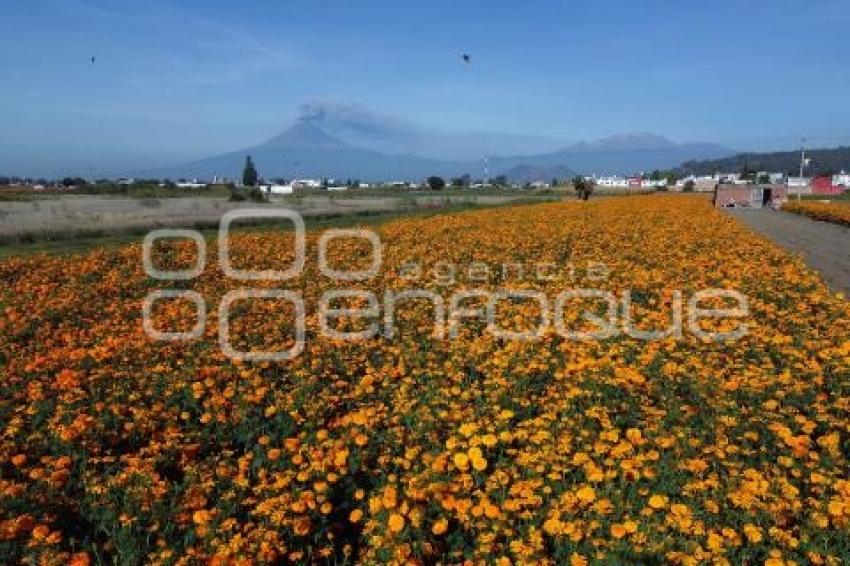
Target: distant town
828	184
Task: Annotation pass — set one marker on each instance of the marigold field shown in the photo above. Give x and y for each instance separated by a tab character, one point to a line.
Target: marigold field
119	449
835	212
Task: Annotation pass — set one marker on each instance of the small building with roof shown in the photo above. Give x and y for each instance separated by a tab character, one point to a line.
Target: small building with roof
750	196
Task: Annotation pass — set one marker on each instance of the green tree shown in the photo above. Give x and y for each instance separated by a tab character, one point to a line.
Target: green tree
748	174
436	183
249	174
462	181
582	187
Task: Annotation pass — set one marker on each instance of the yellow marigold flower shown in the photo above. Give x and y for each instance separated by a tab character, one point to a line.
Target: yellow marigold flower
396	523
461	460
552	527
480	464
355	515
577	560
595	475
658	501
753	533
474	452
440	526
714	542
467	429
489	440
586	495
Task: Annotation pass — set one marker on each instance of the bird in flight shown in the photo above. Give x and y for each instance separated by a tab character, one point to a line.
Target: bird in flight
467	59
92	61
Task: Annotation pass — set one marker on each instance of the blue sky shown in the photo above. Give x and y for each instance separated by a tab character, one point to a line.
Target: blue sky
184	79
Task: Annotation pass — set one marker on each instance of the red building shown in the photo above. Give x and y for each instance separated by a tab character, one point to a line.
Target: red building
823	186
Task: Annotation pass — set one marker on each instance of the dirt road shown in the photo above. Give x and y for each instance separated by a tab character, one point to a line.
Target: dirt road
824	246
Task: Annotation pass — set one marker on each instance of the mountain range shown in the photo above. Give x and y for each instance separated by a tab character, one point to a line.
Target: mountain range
346	142
822	161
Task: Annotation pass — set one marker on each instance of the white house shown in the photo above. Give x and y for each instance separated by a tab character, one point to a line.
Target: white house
681	182
703	183
276	189
338	188
193	184
799	186
612	182
650	184
842	179
306	184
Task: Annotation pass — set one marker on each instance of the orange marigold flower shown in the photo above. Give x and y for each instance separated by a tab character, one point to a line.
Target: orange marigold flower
396	522
302	526
440	526
201	517
618	530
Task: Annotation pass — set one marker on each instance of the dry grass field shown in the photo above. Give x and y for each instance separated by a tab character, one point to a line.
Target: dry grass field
79	215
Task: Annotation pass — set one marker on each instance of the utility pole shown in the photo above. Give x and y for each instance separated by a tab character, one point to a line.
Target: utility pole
802	165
